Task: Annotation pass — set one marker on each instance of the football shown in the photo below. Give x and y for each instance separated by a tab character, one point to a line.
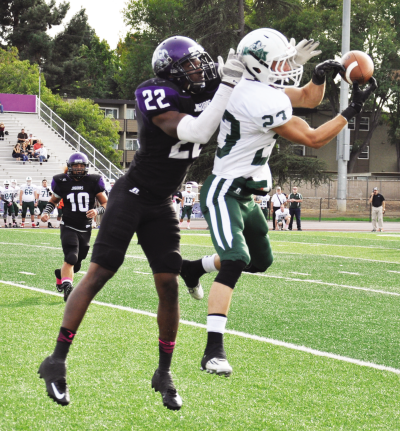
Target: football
359	67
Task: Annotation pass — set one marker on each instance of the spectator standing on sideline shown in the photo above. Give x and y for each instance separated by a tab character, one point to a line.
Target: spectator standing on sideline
2	129
27	197
282	218
187	202
295	200
41	153
378	209
276	201
1	108
44	193
177	112
22	137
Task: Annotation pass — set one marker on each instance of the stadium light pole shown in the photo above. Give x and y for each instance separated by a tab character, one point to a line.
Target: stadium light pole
343	139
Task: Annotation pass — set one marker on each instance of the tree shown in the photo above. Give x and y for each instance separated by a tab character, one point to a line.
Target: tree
65	67
23	24
374	30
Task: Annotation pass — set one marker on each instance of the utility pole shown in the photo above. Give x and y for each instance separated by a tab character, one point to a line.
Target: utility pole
343	139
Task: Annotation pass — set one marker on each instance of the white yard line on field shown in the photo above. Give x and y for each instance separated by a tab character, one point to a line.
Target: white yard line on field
232	332
27	273
351	273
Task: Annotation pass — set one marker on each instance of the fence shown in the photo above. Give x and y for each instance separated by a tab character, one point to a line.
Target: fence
77	142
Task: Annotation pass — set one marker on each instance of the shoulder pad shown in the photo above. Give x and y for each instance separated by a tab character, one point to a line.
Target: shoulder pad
61	178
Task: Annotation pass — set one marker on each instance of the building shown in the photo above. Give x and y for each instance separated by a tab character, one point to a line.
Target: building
123	111
379	157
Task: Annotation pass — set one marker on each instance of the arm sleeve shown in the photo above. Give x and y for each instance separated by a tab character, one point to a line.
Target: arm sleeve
200	129
100	186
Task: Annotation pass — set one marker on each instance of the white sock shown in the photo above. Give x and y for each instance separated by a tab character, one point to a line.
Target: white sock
216	324
208	263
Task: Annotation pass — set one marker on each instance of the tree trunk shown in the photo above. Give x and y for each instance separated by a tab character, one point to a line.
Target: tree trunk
241	18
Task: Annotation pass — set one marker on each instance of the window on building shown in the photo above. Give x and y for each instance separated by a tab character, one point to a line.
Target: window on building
115	146
110	112
130	114
364	154
132	144
364	124
299	150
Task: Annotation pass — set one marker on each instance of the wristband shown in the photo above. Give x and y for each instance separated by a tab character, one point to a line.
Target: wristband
317	80
49	208
349	113
100	210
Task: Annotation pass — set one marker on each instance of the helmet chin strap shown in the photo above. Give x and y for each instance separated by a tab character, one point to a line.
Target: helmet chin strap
251	74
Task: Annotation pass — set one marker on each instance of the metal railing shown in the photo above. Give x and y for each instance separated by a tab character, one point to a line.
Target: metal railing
77	142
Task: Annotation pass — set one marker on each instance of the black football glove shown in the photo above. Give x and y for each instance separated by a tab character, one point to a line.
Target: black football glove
320	71
358	98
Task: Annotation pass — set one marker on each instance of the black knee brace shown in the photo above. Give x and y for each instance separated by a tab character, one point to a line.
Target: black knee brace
230	272
71	255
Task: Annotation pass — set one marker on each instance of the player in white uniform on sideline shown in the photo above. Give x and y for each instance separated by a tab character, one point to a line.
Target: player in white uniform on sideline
44	194
7	196
27	197
14	185
258	111
282	218
188	200
264	205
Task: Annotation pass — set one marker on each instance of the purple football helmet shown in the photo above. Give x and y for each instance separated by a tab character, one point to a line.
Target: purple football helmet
170	55
74	159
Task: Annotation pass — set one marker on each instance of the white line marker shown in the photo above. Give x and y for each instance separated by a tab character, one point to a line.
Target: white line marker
27	273
347	272
396	272
299	273
237	333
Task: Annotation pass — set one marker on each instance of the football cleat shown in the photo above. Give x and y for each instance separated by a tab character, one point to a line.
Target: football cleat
49	225
215	362
9	225
54	374
67	288
196	292
22	224
57	273
6	225
37	224
192	281
188	227
162	382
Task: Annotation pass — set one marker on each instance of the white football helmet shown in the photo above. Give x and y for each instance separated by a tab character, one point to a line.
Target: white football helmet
6	184
29	180
188	187
112	182
266	54
13	183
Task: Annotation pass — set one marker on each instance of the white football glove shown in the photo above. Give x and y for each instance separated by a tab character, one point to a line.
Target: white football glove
231	71
305	50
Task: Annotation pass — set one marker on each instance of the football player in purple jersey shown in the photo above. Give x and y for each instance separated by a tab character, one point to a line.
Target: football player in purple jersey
178	111
78	190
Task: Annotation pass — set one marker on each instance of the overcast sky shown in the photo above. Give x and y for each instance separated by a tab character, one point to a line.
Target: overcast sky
105	17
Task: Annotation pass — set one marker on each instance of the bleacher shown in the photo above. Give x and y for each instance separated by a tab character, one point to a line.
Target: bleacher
57	148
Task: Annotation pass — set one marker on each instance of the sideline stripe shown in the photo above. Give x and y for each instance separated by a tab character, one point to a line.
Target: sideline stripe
232	332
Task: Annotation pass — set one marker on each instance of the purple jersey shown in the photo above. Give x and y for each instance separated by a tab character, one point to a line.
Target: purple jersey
160	165
78	197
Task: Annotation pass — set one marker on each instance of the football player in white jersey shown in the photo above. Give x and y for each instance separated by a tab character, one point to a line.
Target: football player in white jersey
7	196
259	109
44	193
27	197
187	202
14	185
263	201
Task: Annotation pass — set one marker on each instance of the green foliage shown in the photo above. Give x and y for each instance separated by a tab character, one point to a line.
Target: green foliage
286	166
23	24
86	118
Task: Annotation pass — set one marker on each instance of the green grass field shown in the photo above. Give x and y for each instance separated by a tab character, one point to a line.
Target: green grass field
314	342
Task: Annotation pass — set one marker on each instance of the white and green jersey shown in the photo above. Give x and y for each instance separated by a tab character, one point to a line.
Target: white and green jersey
264	201
28	192
44	193
16	190
7	194
188	198
246	137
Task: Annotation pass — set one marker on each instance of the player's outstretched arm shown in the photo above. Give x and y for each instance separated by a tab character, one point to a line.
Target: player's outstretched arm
298	131
200	129
312	94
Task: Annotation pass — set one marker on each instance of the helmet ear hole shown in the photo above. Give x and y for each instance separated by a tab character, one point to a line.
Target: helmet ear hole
257	70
